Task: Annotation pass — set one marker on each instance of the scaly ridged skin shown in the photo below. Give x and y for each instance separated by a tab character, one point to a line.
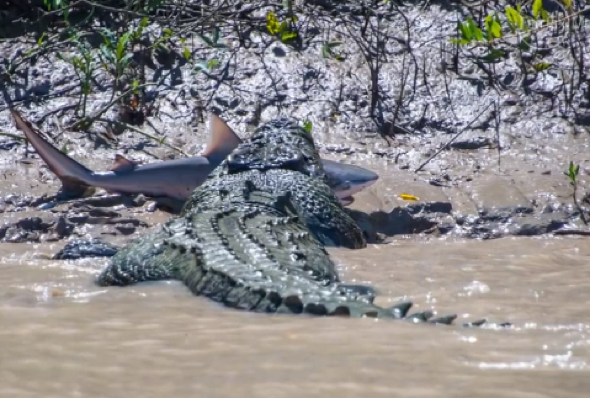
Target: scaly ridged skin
252	236
278	158
256	256
314	201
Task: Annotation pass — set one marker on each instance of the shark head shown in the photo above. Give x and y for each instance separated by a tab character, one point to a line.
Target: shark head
347	180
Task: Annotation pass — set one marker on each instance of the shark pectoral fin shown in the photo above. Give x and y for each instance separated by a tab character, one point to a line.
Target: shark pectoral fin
121	163
222	141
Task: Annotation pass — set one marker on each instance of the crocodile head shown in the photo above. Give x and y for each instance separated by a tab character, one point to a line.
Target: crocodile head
278	144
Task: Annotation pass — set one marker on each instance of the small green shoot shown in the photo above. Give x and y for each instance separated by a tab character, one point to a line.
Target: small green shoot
307	126
114	51
572	173
186	52
84	67
64	149
206	66
213	41
542	66
54	5
328	51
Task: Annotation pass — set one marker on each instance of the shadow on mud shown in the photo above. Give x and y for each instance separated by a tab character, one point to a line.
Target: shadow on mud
57	218
438	219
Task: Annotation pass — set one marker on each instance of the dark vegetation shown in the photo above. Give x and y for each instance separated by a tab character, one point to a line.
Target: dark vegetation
391	67
112	44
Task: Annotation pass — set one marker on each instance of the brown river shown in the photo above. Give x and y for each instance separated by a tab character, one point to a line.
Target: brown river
63	336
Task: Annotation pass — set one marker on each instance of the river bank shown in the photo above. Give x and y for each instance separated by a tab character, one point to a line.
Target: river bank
515	129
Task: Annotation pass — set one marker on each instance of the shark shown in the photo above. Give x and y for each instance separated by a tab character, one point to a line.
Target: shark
171	182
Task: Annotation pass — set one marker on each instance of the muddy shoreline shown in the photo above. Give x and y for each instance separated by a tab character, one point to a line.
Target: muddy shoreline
516	131
523	198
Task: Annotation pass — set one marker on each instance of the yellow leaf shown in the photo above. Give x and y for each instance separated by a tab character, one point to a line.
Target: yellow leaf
288	36
537	7
409	197
271	23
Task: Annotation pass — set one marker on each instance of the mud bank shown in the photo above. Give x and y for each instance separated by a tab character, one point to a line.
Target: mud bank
517	128
461	194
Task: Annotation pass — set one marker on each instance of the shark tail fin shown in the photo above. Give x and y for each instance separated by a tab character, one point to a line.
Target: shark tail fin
72	174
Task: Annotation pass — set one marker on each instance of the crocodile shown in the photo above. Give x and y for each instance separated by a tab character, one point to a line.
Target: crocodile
254	235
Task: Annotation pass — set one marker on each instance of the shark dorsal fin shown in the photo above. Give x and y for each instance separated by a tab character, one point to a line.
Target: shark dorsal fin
222	139
121	163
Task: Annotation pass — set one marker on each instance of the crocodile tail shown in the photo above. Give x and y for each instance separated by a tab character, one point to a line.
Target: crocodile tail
323	301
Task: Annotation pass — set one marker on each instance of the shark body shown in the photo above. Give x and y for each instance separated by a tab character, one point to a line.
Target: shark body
175	179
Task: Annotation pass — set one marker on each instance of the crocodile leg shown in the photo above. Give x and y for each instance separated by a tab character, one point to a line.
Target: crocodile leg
145	259
85	248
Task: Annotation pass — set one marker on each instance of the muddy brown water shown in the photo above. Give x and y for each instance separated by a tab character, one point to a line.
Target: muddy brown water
63	336
60	335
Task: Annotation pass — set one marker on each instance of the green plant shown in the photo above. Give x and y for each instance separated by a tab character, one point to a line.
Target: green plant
328	50
307	126
53	5
114	54
206	66
572	173
522	26
147	6
213	41
516	21
284	30
84	67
